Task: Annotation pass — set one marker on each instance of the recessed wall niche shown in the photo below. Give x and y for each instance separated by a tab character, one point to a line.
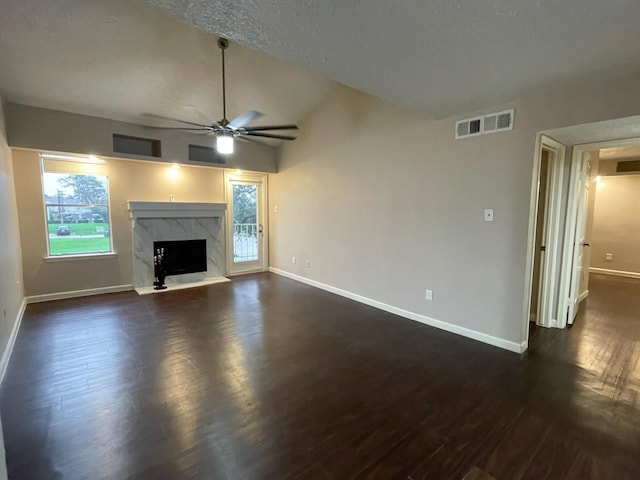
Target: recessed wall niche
146	147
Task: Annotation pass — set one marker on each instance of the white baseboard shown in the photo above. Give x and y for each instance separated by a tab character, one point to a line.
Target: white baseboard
47	297
465	332
6	355
583	295
618	273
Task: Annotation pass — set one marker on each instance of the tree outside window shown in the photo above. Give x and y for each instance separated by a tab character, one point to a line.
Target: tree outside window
77	209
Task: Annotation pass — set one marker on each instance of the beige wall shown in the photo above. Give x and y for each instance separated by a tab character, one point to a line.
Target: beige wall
385	203
128	180
616	223
43	129
11	290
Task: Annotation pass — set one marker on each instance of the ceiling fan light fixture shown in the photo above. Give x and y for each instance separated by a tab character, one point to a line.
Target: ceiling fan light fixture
224	144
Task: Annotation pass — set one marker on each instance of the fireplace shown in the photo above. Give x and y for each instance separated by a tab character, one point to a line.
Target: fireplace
195	229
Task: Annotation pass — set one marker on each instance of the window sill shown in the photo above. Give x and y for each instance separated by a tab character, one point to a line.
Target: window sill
86	256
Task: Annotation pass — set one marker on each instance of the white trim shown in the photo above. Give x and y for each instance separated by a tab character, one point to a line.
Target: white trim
47	297
618	273
545	312
583	295
8	350
465	332
175	210
86	256
553	232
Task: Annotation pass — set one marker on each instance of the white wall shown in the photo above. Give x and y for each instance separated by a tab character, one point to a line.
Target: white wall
616	224
385	203
11	293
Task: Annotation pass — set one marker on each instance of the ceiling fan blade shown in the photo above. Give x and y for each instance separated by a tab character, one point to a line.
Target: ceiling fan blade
251	140
268	135
151	115
244	119
271	127
199	129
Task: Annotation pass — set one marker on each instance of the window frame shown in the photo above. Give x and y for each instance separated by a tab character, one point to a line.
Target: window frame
78	159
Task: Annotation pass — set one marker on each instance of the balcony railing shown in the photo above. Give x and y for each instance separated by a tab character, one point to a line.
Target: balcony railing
245	242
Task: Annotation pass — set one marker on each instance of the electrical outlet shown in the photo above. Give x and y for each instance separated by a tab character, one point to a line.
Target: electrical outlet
293	260
308	263
428	294
276	209
488	214
608	257
172	198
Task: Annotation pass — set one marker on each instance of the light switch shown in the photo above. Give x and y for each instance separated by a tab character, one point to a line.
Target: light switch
488	214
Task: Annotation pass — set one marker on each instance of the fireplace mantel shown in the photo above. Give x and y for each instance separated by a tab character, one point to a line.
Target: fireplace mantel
176	210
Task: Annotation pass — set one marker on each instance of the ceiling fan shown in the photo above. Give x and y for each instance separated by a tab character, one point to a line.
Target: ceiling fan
226	130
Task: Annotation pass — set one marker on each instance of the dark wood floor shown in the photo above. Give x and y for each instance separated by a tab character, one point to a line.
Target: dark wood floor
266	378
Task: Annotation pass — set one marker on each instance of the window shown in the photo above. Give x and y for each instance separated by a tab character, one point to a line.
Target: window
76	202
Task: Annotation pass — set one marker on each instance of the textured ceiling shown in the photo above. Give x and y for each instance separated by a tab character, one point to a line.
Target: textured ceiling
118	60
121	58
439	57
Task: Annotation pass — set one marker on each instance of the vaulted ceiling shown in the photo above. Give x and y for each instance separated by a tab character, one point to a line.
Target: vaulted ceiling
119	60
440	57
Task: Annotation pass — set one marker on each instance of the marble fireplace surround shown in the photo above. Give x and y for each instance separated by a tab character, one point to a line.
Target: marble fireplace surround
164	221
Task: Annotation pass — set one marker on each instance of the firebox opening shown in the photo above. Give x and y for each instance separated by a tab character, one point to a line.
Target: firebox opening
183	256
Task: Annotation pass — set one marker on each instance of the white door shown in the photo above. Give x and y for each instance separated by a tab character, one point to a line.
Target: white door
246	195
579	244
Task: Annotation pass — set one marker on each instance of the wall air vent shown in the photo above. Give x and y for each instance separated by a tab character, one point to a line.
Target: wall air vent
628	166
491	123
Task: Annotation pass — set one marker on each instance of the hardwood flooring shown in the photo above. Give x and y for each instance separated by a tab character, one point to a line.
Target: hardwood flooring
267	378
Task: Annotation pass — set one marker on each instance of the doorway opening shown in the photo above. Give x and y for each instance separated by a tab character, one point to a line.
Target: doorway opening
564	212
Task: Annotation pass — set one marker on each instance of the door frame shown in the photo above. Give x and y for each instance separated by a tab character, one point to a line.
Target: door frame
554	204
263	219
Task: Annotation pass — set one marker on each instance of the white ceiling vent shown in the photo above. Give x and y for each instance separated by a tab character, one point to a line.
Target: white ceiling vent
491	123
